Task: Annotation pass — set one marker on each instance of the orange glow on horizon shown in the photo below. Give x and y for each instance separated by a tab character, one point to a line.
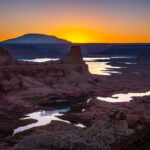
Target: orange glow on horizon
77	38
77	21
83	35
77	35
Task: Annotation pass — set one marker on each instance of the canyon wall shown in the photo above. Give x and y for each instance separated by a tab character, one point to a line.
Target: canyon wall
15	74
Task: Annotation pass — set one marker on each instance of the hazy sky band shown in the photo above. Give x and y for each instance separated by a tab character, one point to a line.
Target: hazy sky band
91	20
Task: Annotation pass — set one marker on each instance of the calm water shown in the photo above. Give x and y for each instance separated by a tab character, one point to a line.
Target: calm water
44	117
123	97
40	59
97	65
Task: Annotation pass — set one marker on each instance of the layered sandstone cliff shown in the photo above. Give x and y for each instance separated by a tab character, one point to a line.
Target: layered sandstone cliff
71	70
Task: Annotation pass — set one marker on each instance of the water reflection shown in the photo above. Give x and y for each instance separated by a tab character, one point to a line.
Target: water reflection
95	58
102	68
126	57
44	117
130	63
123	97
97	65
40	59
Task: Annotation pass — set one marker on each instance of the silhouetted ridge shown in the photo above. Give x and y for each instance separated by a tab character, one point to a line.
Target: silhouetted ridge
36	39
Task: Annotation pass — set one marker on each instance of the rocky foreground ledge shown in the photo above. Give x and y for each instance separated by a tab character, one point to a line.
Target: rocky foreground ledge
97	137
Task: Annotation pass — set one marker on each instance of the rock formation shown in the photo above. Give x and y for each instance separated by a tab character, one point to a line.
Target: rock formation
5	57
96	137
138	141
74	56
27	74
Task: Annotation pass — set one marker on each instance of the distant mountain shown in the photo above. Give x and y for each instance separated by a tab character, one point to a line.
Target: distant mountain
36	39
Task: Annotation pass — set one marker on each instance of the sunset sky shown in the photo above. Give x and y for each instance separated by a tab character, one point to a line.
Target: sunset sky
79	21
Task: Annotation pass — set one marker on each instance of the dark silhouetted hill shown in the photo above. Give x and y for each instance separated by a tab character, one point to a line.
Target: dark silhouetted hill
40	46
36	39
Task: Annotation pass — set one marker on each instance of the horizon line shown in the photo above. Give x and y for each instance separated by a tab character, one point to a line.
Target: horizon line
77	42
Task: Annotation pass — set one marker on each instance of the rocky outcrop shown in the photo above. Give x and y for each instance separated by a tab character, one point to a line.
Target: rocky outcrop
137	141
66	70
5	57
95	138
74	56
136	110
